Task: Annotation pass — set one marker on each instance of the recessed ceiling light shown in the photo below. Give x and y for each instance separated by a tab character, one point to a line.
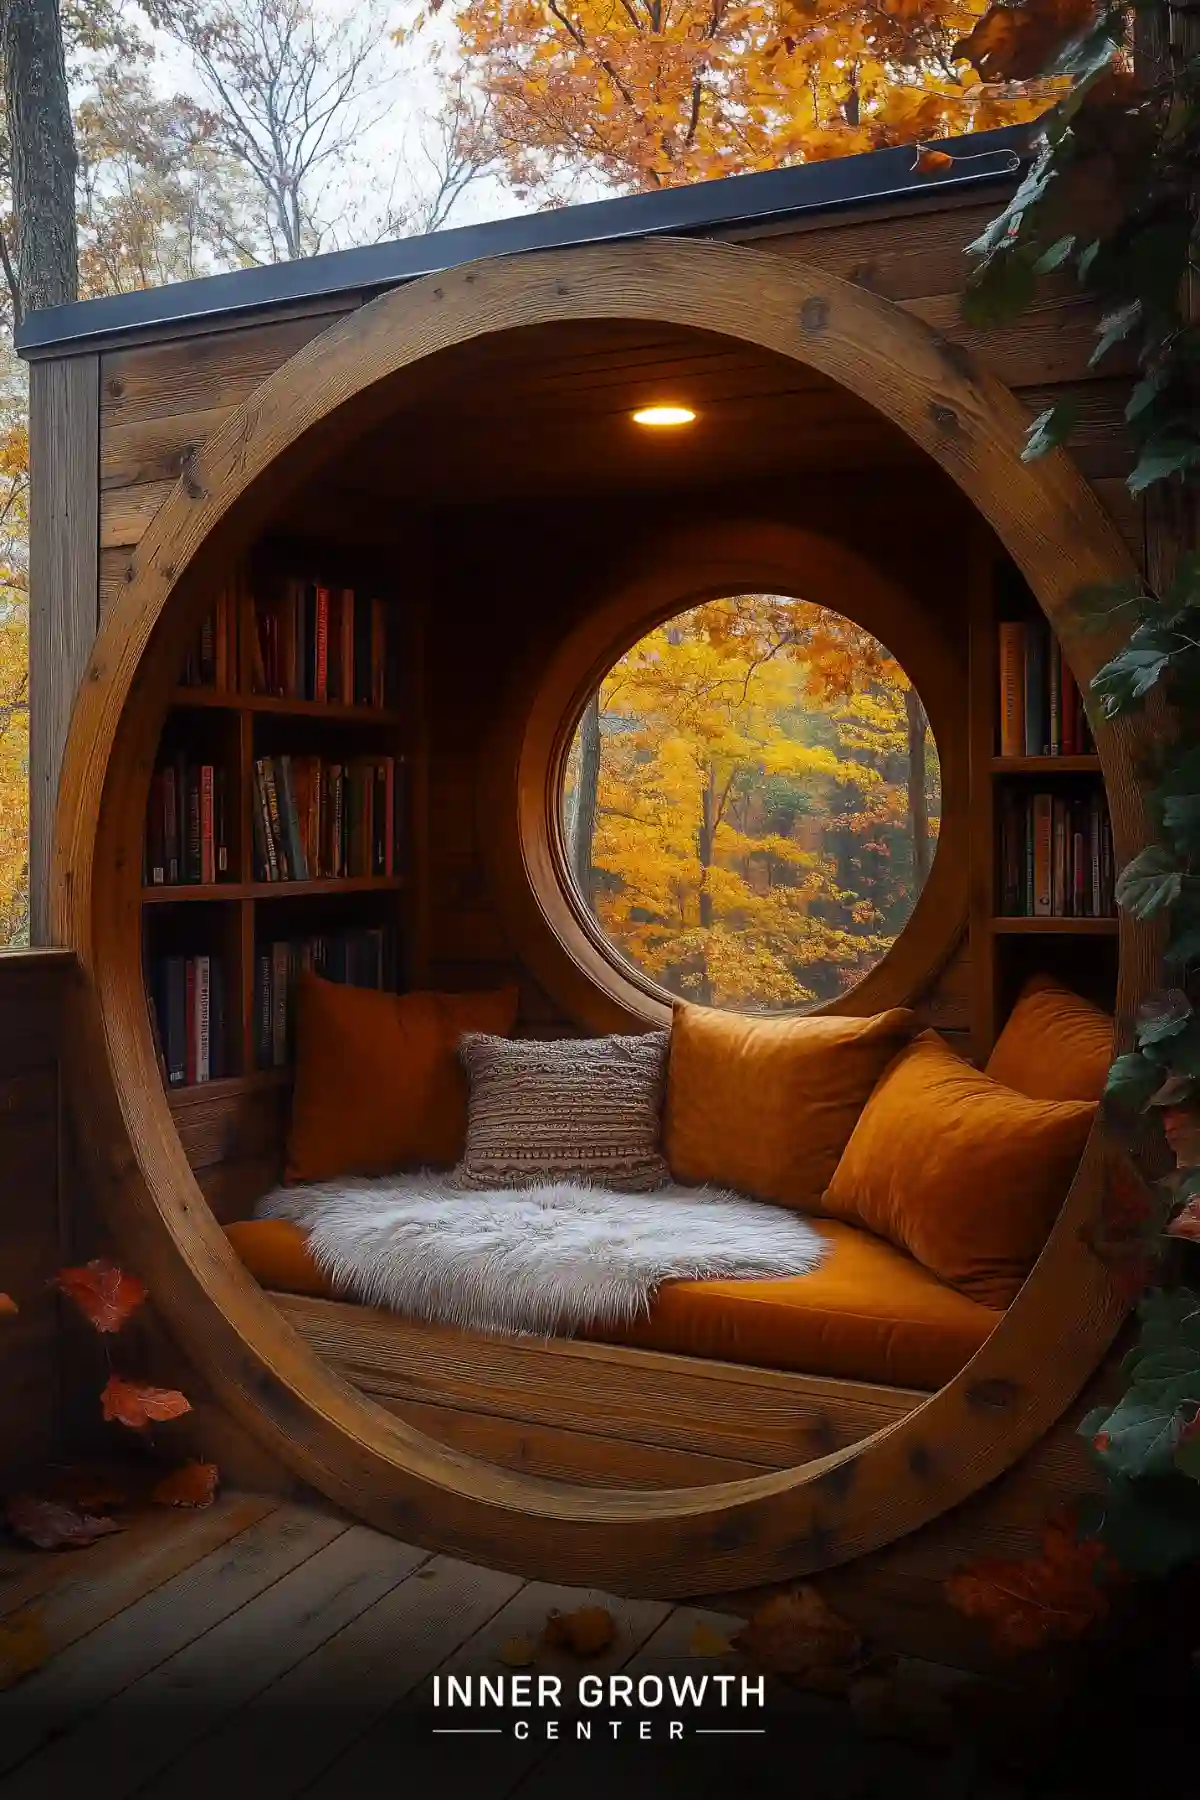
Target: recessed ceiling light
664	415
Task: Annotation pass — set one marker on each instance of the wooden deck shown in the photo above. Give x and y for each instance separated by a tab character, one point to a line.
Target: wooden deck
276	1650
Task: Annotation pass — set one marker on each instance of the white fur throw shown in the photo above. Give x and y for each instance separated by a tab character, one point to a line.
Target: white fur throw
543	1260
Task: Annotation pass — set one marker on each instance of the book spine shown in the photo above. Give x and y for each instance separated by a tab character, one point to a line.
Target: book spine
203	1023
389	815
280	965
337	821
189	1020
1043	834
217	1063
308	635
291	819
1027	881
316	818
1060	877
321	679
264	1012
1069	700
347	647
1095	834
1012	688
190	786
208	833
221	815
362	651
1054	695
1081	874
1035	690
175	1023
260	825
281	859
156	856
170	825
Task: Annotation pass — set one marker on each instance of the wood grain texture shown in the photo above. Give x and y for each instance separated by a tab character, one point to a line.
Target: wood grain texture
63	544
771	1526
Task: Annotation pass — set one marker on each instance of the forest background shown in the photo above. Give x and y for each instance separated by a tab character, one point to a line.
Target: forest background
215	134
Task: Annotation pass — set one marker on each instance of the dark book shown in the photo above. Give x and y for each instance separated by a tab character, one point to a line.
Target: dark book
276	836
175	1041
264	1011
290	817
217	1024
362	650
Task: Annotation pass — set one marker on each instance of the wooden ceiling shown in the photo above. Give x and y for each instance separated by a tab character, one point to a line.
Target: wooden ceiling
546	411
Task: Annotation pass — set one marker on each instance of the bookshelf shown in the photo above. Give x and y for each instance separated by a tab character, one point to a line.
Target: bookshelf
330	874
1042	874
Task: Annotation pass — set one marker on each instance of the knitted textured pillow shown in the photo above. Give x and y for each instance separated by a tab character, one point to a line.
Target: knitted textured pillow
572	1109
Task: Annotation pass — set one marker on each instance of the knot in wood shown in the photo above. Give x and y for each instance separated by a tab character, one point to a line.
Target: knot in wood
116	388
993	1396
814	314
945	418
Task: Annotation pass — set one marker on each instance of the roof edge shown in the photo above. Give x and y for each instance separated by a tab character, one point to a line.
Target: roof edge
879	175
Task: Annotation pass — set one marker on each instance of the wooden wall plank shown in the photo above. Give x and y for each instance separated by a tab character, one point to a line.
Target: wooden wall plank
63	543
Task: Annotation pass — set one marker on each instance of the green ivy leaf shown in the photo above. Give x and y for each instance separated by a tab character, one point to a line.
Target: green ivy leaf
1160	460
1147	390
1097	606
1179	1054
1181	816
1149	883
1142	1437
1129	676
1176	1090
1001	288
1055	256
1162	1016
1150	1527
1168	1316
1114	327
1050	429
1132	1080
1088	257
1183	944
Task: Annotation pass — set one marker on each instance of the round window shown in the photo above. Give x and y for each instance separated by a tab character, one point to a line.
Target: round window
751	804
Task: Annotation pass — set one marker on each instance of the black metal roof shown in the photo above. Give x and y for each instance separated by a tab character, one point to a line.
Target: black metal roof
987	158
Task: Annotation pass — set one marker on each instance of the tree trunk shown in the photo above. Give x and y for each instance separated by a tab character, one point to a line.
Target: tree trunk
42	140
587	789
918	806
705	835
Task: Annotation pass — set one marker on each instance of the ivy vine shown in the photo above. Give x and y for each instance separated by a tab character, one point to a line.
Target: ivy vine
1112	199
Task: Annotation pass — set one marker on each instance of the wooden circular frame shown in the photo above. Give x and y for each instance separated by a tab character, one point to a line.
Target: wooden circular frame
726	1536
521	771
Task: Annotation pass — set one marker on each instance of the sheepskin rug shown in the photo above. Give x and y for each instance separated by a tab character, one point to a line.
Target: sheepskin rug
545	1260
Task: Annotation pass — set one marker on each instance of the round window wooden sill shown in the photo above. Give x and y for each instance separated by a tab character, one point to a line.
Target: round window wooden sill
737	1534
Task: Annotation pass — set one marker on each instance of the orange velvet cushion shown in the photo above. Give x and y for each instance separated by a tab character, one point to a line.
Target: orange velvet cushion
766	1106
1055	1046
378	1085
958	1170
866	1313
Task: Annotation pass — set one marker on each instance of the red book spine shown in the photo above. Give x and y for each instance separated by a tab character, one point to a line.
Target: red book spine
321	685
347	647
1070	713
208	859
189	1020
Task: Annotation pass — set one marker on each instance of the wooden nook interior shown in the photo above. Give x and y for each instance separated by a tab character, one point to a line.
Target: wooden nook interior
462	443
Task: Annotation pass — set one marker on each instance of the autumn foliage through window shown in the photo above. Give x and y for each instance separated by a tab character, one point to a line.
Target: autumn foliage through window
751	803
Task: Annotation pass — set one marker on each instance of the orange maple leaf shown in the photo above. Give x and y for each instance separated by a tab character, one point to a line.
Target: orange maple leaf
587	1631
52	1526
7	1305
1056	1596
135	1404
1019	43
105	1294
799	1634
932	162
195	1484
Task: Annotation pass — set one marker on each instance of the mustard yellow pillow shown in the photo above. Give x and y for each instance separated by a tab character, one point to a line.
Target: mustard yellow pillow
1055	1046
766	1106
964	1174
378	1084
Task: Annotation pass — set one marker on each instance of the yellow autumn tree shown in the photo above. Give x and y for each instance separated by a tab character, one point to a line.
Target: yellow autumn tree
739	806
656	93
14	665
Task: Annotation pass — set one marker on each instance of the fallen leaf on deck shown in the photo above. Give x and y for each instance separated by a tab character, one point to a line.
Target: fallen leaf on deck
426	1574
798	1634
1056	1596
587	1631
105	1294
932	162
50	1525
7	1304
195	1484
706	1641
134	1404
24	1646
518	1652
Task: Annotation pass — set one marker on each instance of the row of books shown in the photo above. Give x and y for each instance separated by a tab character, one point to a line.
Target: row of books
1041	709
211	661
316	820
1056	857
187	824
324	643
365	958
188	1015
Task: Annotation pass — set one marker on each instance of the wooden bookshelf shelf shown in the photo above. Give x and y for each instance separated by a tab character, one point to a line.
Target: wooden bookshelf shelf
1055	927
228	1087
209	699
274	890
1045	765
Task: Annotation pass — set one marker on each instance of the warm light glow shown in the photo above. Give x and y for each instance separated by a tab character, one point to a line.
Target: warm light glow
664	415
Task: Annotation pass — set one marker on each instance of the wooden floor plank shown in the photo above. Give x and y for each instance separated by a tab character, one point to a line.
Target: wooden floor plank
295	1729
156	1719
64	1596
111	1659
484	1767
